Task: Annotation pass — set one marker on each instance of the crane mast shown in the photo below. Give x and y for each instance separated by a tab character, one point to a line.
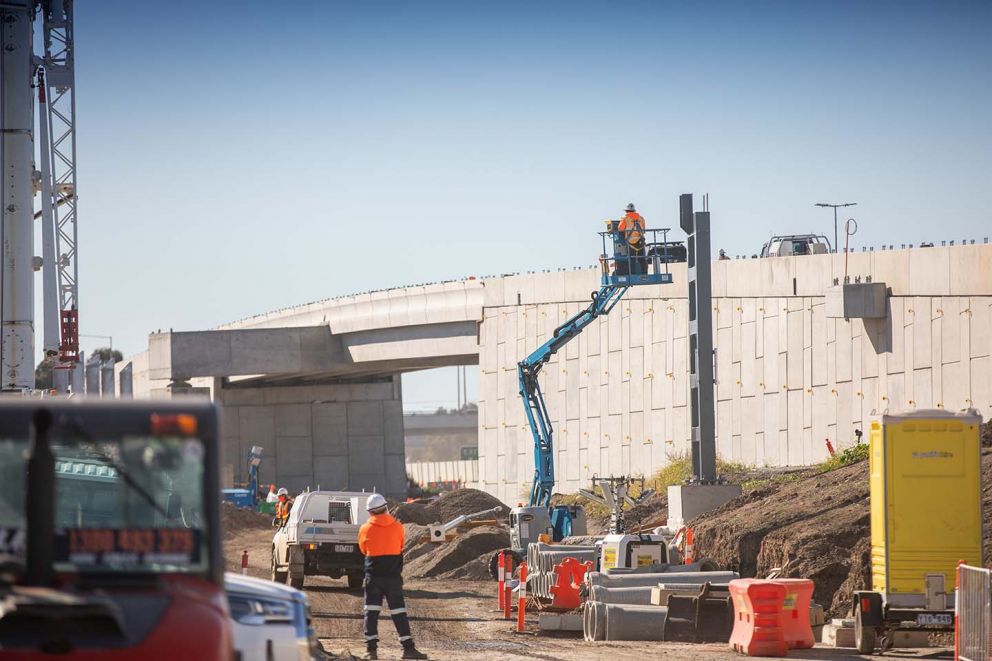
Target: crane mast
57	124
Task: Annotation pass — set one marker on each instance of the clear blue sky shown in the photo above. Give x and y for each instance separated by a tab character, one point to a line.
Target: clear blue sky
236	157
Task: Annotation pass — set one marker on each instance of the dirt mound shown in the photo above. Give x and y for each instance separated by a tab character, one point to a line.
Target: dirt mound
413	513
987	434
238	519
476	570
816	526
439	559
449	505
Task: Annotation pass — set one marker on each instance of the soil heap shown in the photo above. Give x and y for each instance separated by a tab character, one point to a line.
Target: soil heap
464	557
236	520
814	526
450	505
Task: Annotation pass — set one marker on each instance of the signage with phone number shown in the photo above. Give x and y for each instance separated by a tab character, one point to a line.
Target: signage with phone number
110	547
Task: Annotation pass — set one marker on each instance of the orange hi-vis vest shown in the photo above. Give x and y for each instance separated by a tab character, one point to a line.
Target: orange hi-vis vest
632	225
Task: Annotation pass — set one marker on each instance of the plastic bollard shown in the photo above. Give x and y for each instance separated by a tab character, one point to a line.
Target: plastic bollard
507	596
522	597
690	549
244	562
502	579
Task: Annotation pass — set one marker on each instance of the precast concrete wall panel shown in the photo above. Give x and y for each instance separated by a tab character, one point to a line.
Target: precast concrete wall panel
788	378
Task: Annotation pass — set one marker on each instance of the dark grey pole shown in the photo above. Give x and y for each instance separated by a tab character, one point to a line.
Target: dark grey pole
40	503
697	227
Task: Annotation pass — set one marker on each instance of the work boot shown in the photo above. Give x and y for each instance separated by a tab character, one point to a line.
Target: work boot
371	654
413	653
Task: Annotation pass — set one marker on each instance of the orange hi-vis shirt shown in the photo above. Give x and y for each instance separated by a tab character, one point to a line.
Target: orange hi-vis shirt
633	225
380	539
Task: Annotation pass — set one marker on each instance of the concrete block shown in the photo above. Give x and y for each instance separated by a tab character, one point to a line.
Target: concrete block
837	635
856	301
892	268
910	639
930	271
687	501
970	270
559	621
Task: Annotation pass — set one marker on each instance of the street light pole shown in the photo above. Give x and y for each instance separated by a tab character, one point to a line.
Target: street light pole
835	207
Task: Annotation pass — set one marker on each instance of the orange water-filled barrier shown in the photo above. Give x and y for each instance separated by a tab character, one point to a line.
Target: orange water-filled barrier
796	627
568	578
758	607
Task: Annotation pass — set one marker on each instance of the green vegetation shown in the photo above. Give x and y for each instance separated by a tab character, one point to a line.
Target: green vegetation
784	478
846	457
679	470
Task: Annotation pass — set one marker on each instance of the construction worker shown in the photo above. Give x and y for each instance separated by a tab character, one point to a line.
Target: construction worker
272	496
632	226
723	254
380	540
283	507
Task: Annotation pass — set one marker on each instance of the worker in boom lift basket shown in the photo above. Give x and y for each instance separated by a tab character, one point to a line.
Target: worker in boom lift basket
632	227
381	541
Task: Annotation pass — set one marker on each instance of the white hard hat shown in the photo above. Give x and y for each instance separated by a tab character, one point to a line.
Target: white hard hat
282	492
375	502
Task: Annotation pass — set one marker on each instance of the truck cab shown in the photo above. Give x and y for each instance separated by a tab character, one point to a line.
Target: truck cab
110	531
320	538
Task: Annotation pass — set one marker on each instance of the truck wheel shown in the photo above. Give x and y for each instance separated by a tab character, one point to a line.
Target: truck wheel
864	636
355	581
277	576
296	580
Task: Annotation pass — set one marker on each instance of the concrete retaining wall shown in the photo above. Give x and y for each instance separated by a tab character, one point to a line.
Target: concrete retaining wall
787	376
343	437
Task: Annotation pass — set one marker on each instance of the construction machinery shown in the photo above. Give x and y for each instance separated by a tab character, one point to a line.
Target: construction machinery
111	531
624	262
926	516
246	496
439	532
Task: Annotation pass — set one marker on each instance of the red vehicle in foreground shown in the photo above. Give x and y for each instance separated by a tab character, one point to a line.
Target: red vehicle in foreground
110	531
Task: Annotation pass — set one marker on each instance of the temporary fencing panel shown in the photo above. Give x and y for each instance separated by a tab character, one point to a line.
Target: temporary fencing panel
973	614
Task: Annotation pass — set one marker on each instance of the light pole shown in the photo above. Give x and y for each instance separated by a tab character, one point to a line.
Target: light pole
835	207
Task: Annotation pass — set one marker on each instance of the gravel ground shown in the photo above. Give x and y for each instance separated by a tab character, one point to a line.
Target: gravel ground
457	620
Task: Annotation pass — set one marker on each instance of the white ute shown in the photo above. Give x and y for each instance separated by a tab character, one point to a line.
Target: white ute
320	538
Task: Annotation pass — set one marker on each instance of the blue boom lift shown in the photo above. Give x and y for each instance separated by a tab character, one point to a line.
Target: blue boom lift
624	263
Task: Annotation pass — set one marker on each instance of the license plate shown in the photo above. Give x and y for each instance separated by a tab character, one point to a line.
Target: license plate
942	619
344	548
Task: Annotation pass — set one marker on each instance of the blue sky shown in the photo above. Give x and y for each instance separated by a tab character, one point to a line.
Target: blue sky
236	157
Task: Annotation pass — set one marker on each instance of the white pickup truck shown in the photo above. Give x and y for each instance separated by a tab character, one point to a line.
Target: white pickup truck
320	538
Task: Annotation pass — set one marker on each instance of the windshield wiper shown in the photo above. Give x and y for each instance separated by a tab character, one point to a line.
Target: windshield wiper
109	461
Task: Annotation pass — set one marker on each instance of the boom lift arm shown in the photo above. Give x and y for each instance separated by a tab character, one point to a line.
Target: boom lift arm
530	388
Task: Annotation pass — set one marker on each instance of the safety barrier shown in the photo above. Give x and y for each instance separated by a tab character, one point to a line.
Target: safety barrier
796	627
973	614
507	592
565	592
542	560
758	617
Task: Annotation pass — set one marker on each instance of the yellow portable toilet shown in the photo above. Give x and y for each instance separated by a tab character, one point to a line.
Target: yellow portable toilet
926	516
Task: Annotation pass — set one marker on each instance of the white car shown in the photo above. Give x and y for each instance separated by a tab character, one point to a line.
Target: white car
320	538
270	622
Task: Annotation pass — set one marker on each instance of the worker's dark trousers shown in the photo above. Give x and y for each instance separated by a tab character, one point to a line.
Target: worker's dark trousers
390	587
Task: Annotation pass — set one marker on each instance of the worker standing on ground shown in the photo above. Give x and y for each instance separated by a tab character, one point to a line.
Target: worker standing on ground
283	507
380	540
272	496
632	226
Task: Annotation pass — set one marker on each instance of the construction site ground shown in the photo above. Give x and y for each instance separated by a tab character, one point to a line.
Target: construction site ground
457	619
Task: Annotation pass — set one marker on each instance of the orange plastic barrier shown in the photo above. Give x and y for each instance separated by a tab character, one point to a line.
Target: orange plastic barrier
796	628
758	617
569	574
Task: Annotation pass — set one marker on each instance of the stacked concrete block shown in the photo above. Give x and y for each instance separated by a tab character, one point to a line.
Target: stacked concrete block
789	376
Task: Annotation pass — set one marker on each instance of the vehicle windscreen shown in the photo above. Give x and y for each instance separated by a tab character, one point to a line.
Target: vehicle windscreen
129	504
